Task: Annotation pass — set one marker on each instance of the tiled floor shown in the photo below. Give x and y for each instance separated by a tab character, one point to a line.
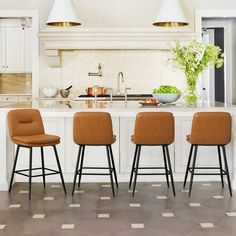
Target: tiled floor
93	211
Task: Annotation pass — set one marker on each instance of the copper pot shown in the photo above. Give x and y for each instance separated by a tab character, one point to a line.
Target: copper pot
99	90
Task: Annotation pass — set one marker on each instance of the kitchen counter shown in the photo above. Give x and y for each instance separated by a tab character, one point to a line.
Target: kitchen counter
68	105
58	119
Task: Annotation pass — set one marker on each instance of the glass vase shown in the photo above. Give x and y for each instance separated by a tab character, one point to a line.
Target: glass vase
191	96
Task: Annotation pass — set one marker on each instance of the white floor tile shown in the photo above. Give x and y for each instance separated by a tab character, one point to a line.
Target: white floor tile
15	206
134	205
38	216
207	225
2	227
24	191
131	191
161	197
106	185
194	204
55	186
105	198
156	185
206	184
68	226
48	198
137	226
168	214
74	205
79	191
218	197
231	213
185	191
103	216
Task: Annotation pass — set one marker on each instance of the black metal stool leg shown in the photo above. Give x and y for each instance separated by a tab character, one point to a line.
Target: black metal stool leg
136	169
187	168
220	163
59	167
14	168
113	165
227	170
76	169
30	170
132	170
81	165
193	168
43	170
166	169
110	171
170	169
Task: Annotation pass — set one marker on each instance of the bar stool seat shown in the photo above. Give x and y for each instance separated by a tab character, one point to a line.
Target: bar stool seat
153	129
26	130
93	129
209	129
36	140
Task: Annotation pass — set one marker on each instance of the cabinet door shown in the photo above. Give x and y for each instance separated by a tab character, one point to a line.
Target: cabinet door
2	49
94	155
206	155
28	49
14	49
55	126
150	155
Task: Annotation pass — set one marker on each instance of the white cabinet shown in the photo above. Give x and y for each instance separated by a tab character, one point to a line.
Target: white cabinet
2	48
150	155
55	126
28	49
15	98
15	46
94	155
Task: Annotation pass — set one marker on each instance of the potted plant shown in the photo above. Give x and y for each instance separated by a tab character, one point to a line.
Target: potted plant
193	59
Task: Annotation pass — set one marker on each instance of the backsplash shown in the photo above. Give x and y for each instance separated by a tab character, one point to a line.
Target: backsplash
143	70
15	83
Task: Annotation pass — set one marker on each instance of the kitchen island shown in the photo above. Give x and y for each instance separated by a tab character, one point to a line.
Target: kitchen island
58	119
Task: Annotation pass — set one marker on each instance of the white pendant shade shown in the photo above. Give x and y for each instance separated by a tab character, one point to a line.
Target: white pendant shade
170	14
63	14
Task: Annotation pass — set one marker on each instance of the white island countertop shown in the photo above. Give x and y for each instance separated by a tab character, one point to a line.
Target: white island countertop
116	108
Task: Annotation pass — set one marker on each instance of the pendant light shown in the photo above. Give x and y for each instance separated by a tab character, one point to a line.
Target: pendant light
170	14
63	14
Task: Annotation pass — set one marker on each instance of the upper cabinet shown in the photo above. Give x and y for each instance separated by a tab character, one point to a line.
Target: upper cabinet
15	45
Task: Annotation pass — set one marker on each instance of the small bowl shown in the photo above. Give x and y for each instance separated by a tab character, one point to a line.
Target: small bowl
64	93
49	91
166	97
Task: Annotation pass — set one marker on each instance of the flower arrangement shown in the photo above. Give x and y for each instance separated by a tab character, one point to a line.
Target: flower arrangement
193	59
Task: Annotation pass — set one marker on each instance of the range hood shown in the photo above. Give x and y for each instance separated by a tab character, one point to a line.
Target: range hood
55	40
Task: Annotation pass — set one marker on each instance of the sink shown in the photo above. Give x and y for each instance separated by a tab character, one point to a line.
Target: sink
130	97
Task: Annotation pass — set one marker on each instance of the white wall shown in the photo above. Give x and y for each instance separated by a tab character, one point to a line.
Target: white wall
234	60
102	13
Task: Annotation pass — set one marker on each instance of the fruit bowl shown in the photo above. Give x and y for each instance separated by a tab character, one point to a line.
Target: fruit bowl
166	97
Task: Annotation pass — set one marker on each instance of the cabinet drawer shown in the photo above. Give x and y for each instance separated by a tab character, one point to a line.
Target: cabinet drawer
8	98
24	98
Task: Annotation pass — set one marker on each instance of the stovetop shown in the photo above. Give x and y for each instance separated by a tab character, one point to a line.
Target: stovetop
114	97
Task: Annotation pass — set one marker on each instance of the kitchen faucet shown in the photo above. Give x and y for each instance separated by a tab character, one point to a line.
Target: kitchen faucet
120	74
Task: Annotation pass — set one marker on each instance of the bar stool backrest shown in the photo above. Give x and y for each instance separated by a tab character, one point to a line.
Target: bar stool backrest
92	128
24	122
154	128
211	128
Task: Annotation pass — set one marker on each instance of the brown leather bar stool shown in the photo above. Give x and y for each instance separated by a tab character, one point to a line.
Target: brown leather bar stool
93	129
153	129
209	129
26	130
